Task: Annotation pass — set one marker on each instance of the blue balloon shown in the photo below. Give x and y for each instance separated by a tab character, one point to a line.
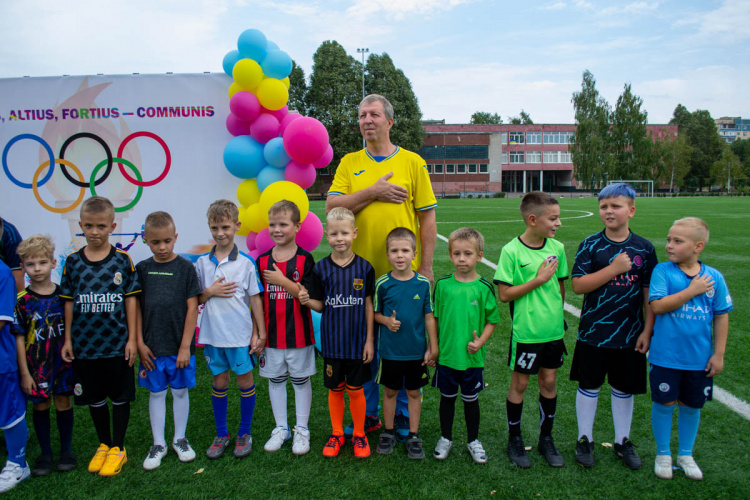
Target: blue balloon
316	328
271	45
275	154
253	44
243	157
230	60
277	64
268	176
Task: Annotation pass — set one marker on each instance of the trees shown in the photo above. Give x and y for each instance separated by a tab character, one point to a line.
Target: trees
523	118
727	170
297	90
671	157
590	148
630	144
706	144
485	118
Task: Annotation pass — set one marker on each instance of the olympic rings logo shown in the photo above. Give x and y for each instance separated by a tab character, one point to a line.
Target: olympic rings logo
93	181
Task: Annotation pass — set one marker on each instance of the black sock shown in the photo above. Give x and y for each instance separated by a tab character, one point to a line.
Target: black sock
100	416
547	408
120	419
471	413
514	411
42	429
447	412
65	428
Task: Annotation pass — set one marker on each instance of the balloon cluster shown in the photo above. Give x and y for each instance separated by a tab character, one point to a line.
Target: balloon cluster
275	151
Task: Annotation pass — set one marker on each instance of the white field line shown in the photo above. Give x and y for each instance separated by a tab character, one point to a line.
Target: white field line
737	405
584	212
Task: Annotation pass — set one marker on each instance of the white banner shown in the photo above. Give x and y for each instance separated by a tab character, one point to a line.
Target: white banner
165	132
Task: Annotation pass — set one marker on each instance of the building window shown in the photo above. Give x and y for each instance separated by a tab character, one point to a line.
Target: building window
504	158
565	157
550	157
517	137
460	168
477	151
450	169
472	168
516	157
438	168
533	157
429	168
558	137
533	137
504	137
484	168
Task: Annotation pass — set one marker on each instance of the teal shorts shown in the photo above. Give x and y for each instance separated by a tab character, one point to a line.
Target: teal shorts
222	359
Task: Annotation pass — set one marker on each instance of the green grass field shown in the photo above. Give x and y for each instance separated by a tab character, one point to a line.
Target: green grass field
721	449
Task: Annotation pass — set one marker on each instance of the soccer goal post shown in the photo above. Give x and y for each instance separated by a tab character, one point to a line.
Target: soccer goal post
636	184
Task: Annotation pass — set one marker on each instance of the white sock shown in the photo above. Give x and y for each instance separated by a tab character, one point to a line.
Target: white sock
622	414
277	393
586	401
181	409
302	400
157	413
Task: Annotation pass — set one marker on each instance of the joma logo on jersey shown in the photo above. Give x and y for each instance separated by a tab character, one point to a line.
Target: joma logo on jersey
344	301
358	284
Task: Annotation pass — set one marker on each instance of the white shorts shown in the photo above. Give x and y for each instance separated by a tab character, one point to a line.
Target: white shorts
295	362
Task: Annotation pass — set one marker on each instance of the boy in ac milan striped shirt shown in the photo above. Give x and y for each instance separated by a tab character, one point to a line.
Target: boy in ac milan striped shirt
289	351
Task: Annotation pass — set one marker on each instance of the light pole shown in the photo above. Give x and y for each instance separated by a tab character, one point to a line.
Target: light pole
363	51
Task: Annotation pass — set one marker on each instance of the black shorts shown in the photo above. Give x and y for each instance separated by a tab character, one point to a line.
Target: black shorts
625	369
398	374
96	380
692	388
529	358
352	371
448	381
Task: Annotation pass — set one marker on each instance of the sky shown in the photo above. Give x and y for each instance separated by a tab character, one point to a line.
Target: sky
461	56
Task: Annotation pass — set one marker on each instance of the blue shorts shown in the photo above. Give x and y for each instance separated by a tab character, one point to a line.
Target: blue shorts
692	387
12	401
448	380
222	359
165	373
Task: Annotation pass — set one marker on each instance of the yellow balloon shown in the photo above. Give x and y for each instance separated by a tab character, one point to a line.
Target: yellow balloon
244	229
255	218
233	89
284	190
286	82
248	192
272	94
247	74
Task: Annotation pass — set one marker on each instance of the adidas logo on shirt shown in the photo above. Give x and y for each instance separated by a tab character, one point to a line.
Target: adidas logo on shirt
417	297
474	303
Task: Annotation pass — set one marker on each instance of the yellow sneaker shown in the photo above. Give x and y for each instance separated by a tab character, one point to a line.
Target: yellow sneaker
116	458
99	457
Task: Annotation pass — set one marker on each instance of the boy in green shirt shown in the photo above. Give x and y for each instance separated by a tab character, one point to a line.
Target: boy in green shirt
465	305
525	277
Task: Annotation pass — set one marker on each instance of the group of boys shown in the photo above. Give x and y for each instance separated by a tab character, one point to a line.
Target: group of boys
82	337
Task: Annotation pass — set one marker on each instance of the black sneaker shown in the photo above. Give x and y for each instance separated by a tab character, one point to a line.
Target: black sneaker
626	451
547	448
585	452
517	452
67	461
42	466
414	447
386	443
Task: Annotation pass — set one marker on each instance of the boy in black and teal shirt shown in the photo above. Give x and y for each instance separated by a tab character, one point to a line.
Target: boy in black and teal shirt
530	276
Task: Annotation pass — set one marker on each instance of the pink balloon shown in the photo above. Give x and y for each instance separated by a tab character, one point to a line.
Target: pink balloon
255	254
305	140
245	106
280	114
264	128
263	241
287	120
250	241
310	232
324	160
236	127
301	174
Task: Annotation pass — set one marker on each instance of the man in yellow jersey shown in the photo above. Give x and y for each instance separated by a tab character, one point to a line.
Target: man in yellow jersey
386	187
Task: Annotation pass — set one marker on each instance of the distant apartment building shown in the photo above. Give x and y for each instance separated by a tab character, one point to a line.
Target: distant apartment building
732	128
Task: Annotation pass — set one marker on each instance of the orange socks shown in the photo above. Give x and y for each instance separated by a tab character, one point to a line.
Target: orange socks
336	408
358	408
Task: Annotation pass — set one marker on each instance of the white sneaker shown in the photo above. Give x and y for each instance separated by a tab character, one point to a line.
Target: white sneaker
279	436
13	474
477	452
689	467
301	441
442	448
663	466
155	454
183	449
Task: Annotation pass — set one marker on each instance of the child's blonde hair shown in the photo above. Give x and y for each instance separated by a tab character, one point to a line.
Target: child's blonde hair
340	213
221	210
38	245
698	227
467	234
